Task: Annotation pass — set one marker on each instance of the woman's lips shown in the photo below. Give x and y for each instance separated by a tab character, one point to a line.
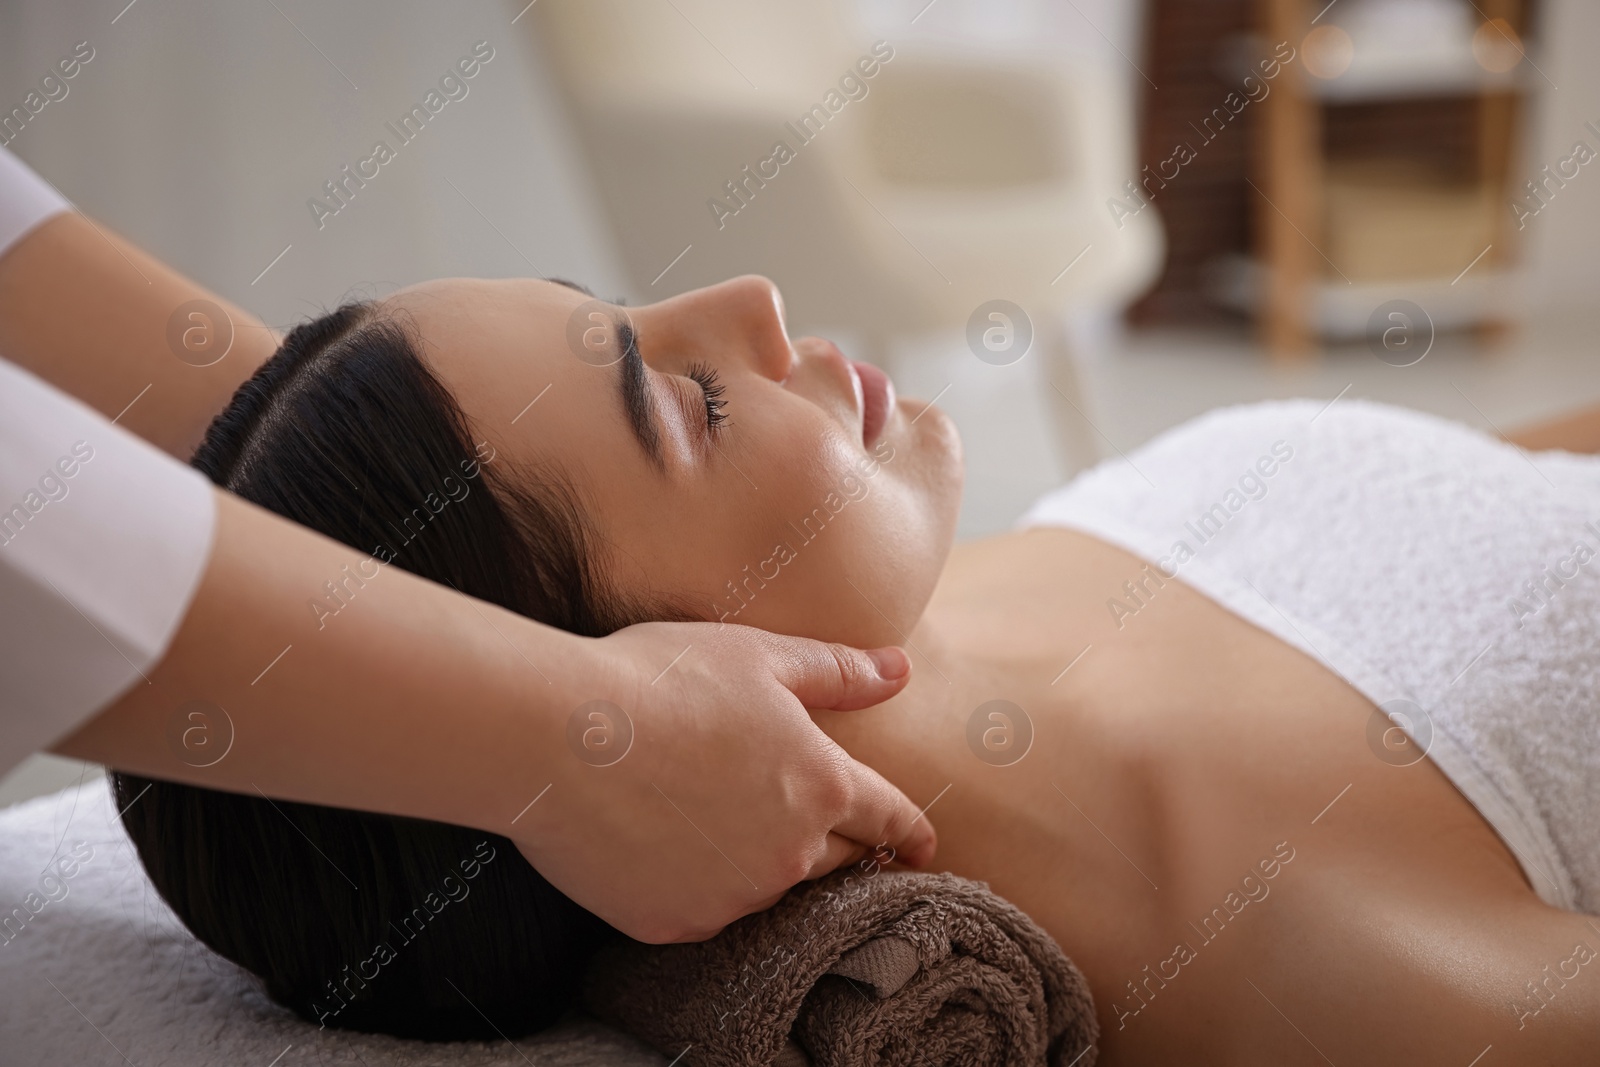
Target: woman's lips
877	400
870	388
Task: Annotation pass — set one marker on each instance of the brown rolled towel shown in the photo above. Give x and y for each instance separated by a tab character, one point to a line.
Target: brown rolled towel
894	969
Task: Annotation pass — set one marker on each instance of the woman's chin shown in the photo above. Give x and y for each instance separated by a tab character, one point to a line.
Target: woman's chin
936	461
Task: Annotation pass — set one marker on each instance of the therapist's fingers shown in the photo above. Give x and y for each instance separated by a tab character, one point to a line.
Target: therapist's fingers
878	815
835	677
840	852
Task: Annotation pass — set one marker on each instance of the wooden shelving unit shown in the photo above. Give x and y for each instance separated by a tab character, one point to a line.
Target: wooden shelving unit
1289	281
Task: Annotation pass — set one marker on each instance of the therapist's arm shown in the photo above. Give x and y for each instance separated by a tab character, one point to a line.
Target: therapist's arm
419	701
89	313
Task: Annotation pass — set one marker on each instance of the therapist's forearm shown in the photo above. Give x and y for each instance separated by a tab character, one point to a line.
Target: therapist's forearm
411	700
87	311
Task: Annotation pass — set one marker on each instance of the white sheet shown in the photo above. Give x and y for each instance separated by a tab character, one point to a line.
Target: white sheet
105	974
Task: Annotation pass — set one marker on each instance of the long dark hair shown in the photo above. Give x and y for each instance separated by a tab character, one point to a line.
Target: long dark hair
451	933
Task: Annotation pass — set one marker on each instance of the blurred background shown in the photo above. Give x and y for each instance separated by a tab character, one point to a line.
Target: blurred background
1075	222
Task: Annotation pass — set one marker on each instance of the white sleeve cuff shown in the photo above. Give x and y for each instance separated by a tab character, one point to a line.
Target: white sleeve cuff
25	200
103	541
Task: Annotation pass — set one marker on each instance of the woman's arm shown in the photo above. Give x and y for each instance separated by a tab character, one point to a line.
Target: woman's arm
96	317
1444	980
1390	962
1577	432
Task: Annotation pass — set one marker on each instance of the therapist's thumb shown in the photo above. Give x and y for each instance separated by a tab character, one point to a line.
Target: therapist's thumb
834	677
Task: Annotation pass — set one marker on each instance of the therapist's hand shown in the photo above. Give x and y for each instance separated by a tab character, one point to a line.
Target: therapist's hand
723	794
725	759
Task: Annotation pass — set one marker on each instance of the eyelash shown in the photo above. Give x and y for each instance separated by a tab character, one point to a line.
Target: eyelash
705	376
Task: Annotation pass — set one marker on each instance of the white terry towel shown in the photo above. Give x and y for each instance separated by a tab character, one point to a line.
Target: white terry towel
1450	578
95	969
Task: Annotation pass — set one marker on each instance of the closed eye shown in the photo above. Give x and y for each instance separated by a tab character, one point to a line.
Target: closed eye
637	394
705	376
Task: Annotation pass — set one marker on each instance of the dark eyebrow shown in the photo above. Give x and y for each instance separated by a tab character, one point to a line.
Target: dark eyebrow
584	289
634	382
636	394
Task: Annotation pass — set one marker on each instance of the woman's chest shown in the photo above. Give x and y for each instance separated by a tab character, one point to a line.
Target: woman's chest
1166	791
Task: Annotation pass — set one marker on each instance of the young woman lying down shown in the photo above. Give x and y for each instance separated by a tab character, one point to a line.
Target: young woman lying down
1283	727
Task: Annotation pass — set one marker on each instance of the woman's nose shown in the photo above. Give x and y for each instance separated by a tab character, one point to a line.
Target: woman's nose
742	319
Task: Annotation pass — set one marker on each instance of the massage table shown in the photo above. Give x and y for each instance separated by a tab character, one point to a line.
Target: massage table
96	969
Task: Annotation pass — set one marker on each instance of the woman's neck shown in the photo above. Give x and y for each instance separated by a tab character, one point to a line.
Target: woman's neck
1011	603
1003	624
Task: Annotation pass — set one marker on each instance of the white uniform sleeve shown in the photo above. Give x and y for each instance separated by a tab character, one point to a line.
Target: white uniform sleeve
103	539
25	200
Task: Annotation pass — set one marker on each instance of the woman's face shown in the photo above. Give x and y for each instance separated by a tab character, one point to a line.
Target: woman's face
803	498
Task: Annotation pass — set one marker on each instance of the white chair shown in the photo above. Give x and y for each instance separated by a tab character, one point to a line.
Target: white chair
960	177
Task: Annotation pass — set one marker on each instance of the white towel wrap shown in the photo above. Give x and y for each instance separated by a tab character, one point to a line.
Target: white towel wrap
1419	559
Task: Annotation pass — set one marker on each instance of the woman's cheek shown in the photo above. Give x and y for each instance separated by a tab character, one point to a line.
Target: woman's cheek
810	534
